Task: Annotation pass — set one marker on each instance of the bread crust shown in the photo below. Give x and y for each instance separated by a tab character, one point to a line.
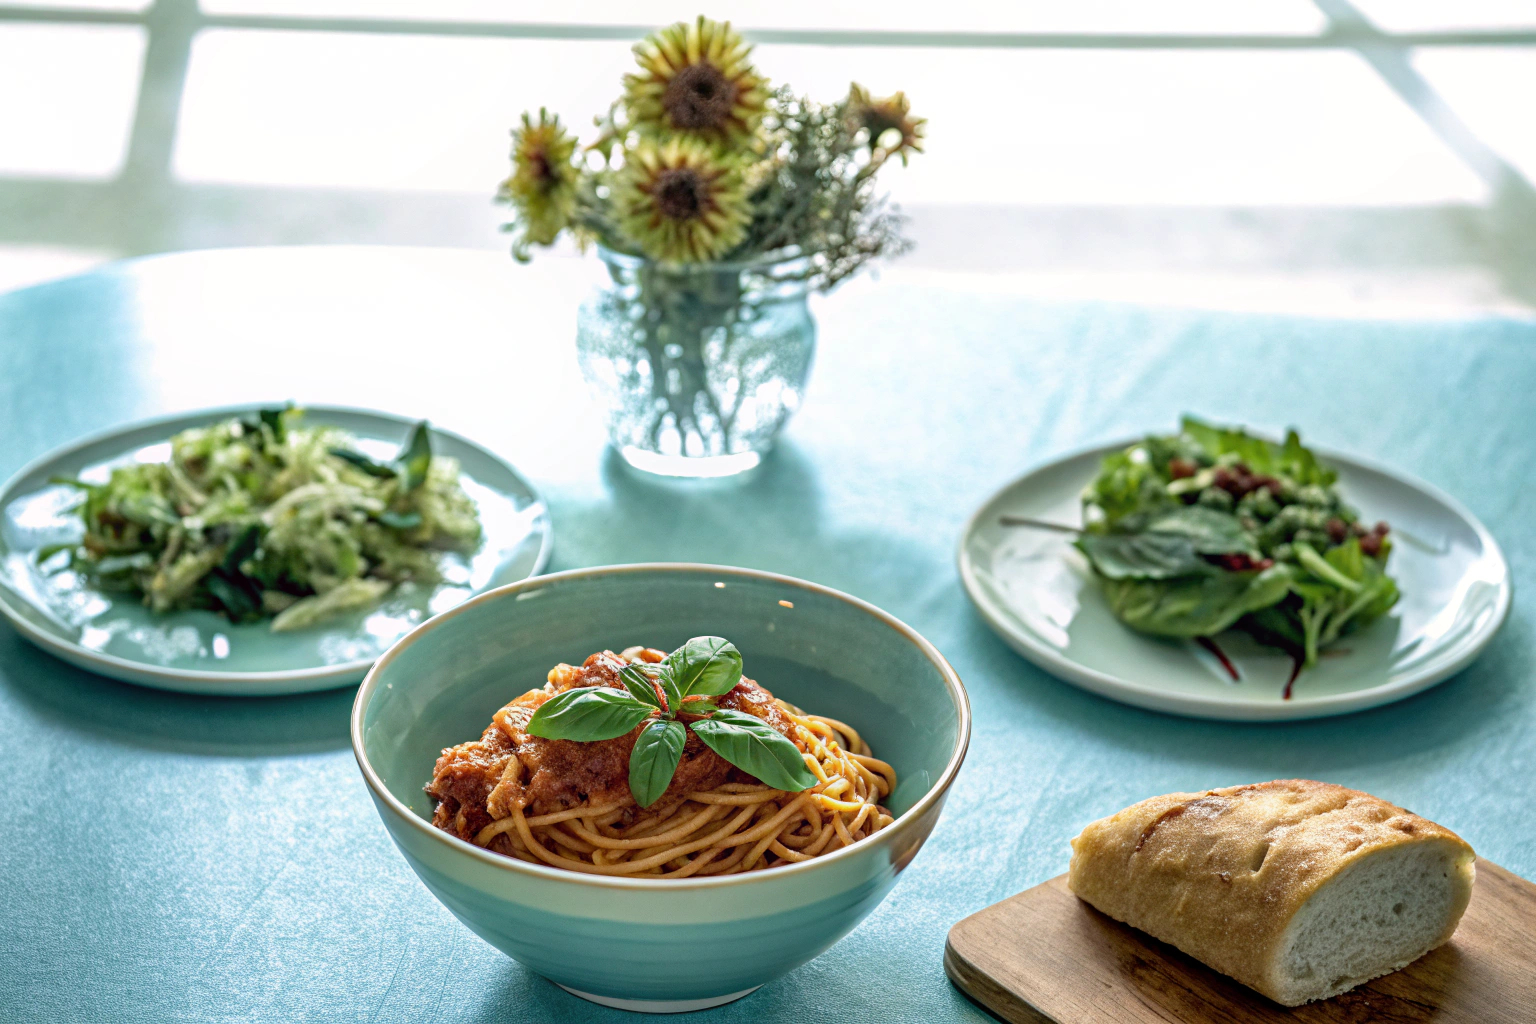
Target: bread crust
1220	874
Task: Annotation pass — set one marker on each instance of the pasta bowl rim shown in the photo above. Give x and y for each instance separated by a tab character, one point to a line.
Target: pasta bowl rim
863	847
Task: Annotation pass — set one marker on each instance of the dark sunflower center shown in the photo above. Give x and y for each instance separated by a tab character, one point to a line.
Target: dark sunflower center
543	173
699	97
880	121
680	193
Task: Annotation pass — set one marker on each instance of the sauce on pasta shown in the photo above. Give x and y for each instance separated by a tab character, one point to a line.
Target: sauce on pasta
567	804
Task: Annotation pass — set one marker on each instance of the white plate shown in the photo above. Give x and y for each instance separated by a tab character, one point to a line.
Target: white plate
1036	591
201	652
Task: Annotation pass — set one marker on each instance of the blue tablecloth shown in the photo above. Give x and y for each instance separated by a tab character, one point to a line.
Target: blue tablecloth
168	858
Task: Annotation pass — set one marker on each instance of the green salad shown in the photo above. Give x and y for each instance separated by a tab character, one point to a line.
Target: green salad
265	517
1211	529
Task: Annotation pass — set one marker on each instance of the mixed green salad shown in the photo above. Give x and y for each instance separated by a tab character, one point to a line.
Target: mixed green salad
1211	528
265	517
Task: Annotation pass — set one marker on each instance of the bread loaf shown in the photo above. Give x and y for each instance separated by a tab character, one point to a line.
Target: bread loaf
1300	890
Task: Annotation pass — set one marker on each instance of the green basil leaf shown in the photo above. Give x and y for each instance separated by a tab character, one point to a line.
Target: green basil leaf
416	457
238	594
706	665
653	761
638	683
755	747
364	463
669	688
400	520
696	706
273	418
241	548
588	714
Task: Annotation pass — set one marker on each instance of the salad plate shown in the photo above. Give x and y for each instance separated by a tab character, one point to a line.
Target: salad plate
200	651
1036	590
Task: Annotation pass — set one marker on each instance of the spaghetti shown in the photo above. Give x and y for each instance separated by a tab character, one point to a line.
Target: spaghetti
732	828
735	826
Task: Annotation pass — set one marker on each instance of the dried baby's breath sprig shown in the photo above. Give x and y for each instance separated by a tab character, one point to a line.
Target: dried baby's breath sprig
820	194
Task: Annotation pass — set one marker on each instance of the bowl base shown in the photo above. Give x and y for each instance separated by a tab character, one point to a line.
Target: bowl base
661	1005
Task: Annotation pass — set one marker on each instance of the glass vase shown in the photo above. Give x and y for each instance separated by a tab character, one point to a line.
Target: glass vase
697	367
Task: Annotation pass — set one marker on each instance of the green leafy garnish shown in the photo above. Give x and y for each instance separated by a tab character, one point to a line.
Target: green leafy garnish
364	463
640	684
239	595
410	465
416	457
755	747
653	761
588	714
704	668
274	419
243	547
400	520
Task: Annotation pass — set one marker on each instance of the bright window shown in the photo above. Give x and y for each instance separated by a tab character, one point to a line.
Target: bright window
69	95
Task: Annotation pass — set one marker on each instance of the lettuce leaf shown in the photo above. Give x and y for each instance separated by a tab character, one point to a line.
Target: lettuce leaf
1194	606
1290	459
1166	544
1126	484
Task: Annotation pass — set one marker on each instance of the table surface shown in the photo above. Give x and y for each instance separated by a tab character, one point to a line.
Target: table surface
174	858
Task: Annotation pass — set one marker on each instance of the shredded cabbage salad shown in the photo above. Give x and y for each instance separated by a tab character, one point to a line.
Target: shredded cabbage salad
265	517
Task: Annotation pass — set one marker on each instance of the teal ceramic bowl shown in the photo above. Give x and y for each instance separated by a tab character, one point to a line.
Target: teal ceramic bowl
651	944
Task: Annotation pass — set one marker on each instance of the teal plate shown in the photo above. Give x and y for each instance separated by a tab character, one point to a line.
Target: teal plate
201	652
1035	590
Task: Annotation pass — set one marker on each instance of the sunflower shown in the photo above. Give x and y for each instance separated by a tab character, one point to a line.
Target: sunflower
542	188
681	202
696	80
893	131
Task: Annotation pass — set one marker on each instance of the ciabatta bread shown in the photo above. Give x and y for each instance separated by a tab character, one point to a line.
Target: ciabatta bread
1300	890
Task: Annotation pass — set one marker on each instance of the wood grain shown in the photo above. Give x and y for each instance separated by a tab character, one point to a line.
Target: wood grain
1046	957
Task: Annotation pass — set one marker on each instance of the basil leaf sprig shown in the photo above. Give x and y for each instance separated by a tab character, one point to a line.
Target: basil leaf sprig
410	465
671	698
239	594
275	419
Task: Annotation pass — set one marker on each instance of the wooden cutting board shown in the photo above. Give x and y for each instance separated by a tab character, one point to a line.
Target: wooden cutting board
1046	957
